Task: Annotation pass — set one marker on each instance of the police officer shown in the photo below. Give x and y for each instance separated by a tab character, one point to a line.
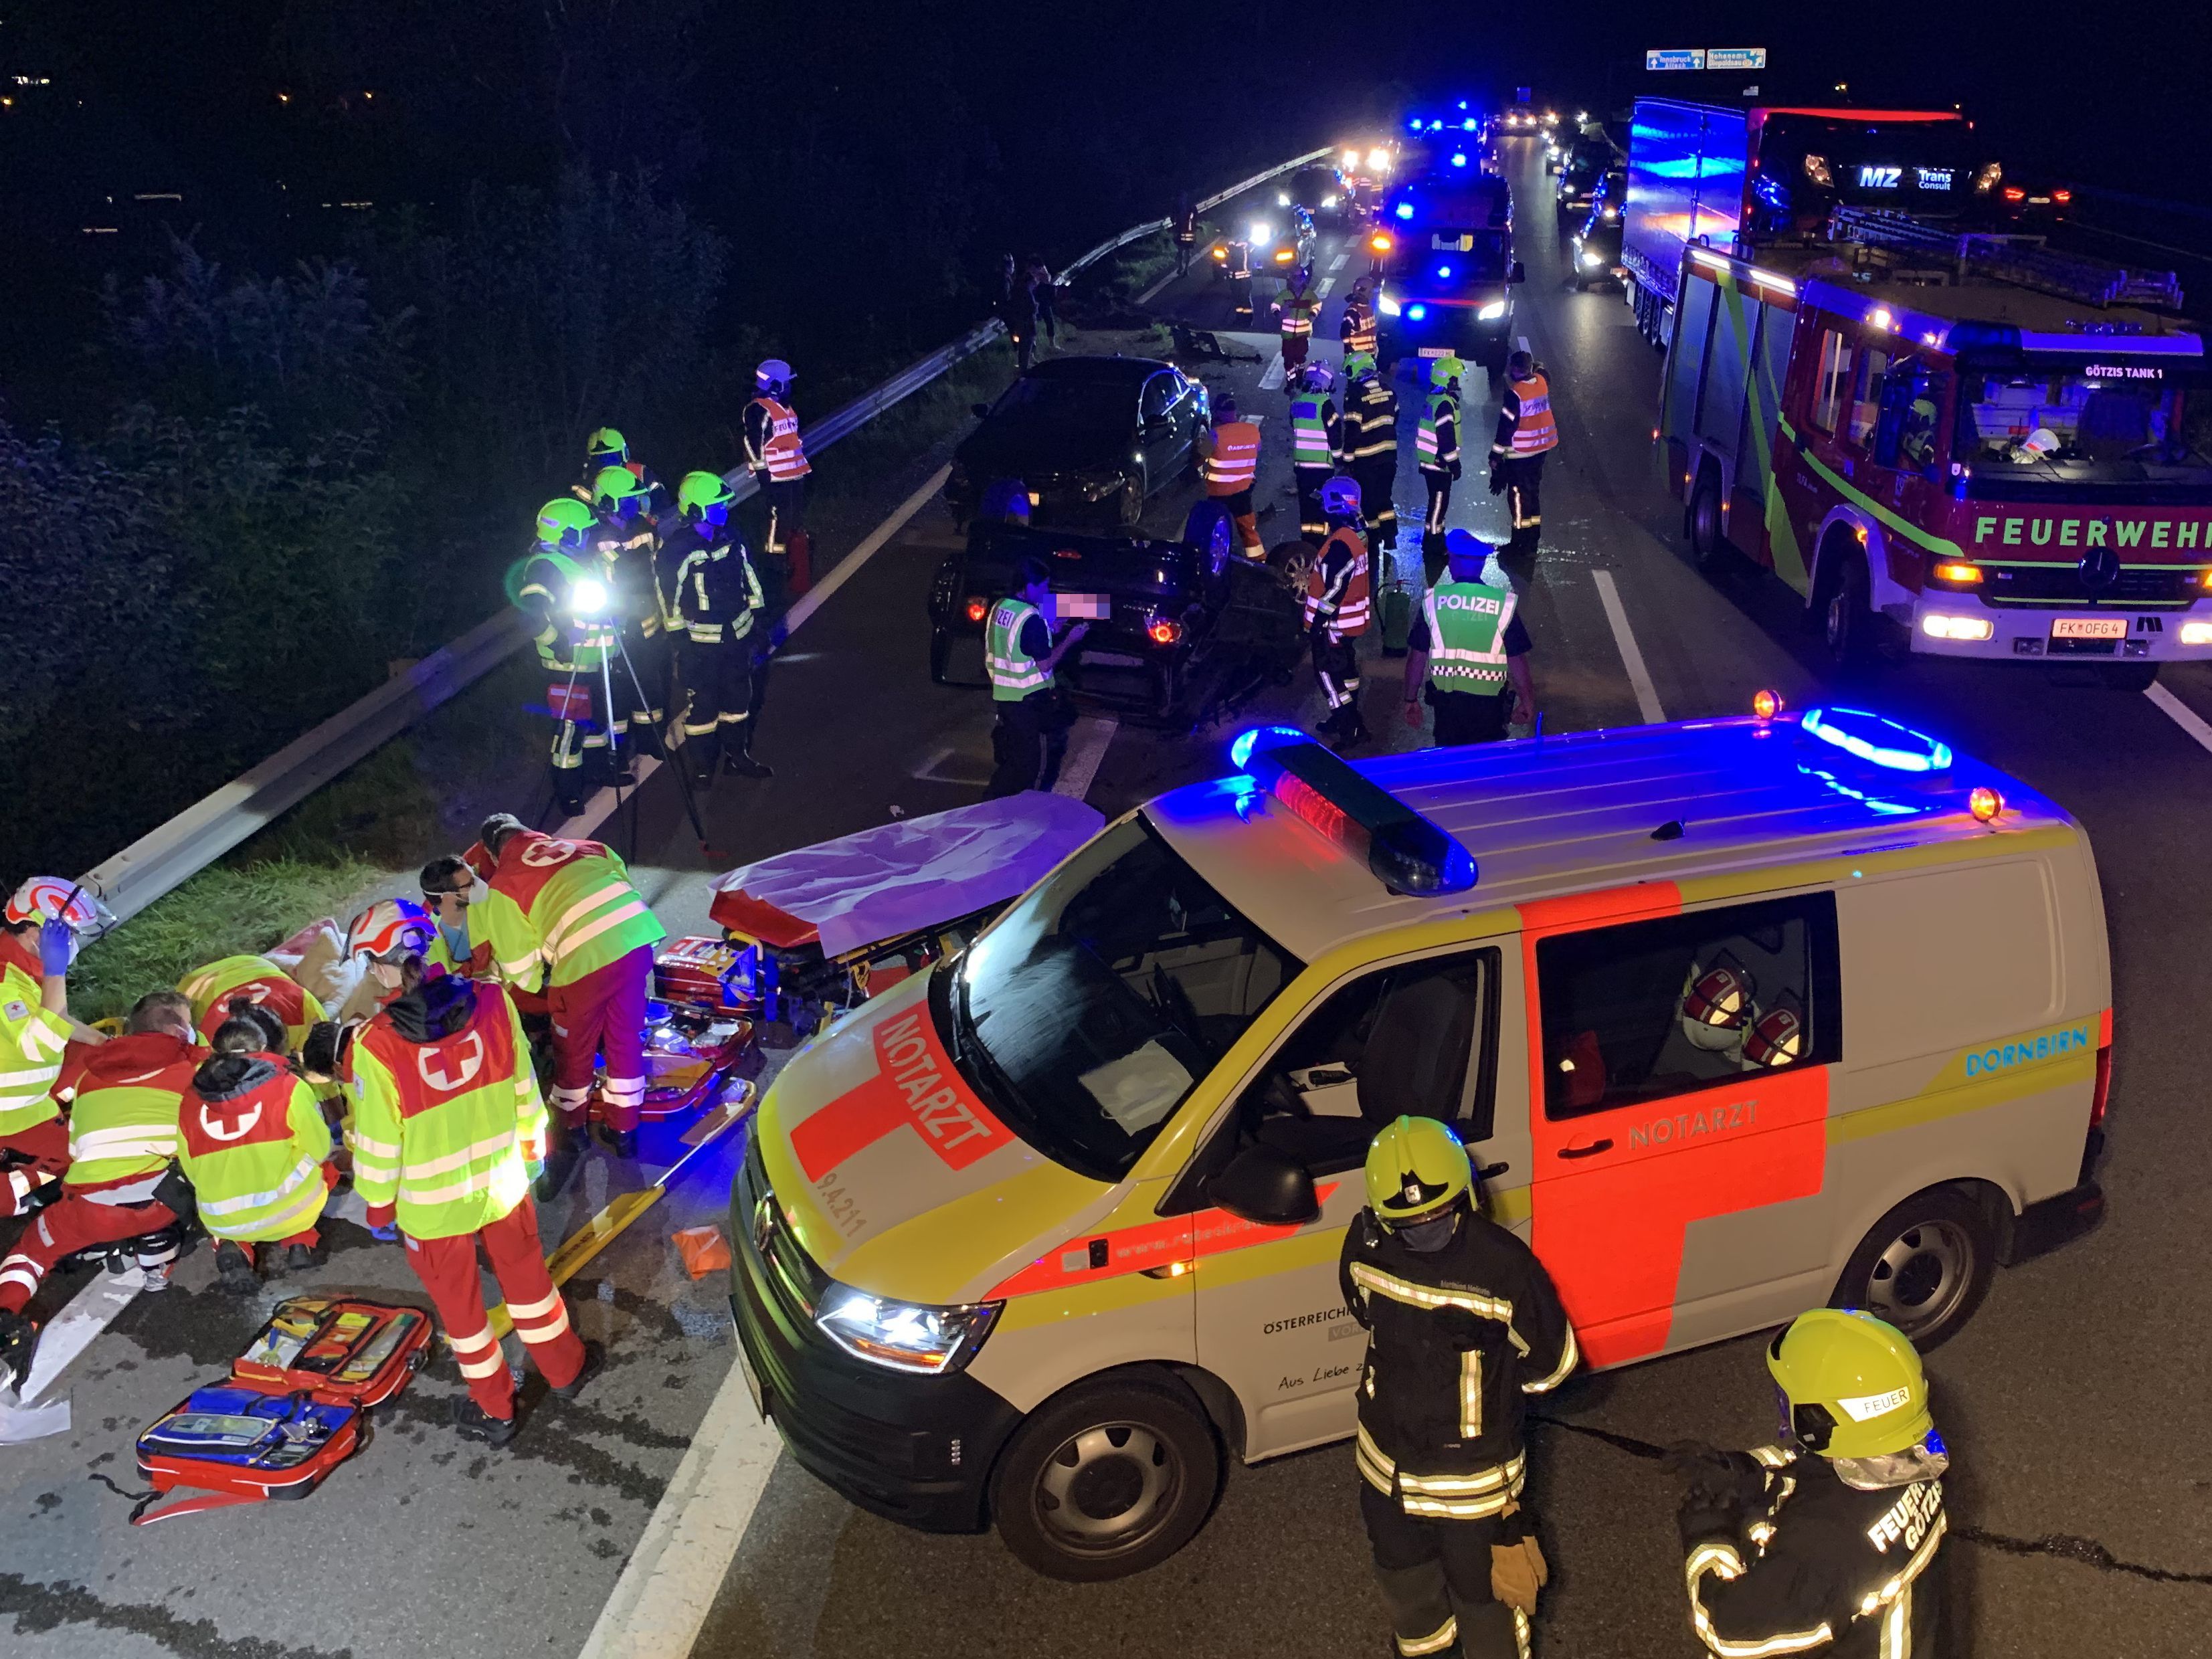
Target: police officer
1463	1324
1021	657
1317	440
1229	457
1370	445
1831	1541
1186	232
1300	305
1436	441
626	538
713	596
1526	434
565	590
776	454
1336	610
1471	649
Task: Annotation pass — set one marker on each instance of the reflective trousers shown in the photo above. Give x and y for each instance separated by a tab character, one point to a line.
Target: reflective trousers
1434	1580
31	1157
602	1012
1294	355
1238	506
1524	481
447	1269
786	511
1336	667
719	678
1313	523
61	1230
1439	482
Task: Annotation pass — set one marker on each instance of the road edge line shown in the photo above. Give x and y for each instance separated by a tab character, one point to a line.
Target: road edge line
2180	714
1631	656
820	594
1086	748
673	1577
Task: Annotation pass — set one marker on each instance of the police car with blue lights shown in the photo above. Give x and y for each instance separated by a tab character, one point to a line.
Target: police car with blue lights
1736	1018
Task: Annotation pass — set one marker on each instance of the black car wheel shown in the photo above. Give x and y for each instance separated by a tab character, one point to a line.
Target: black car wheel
1107	1479
1130	503
1708	545
1846	622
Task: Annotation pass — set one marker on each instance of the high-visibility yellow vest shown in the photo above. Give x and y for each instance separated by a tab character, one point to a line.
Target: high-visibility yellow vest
260	982
254	1147
31	1041
567	904
1466	636
1014	673
123	1104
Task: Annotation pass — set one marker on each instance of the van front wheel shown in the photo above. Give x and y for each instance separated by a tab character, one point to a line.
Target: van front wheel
1923	1267
1107	1479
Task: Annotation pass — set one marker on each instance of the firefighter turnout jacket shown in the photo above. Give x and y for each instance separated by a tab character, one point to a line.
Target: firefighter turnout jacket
447	1116
213	988
1525	426
1370	427
565	906
252	1141
714	593
1458	1338
1357	328
1337	591
1840	1557
31	1040
566	643
125	1096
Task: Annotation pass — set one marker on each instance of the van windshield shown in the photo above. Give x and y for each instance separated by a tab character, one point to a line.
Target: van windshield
1089	1011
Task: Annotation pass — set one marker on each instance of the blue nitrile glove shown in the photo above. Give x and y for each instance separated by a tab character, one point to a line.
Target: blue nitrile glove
56	946
389	1232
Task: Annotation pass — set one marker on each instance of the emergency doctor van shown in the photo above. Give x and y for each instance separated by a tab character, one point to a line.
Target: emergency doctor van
1736	1018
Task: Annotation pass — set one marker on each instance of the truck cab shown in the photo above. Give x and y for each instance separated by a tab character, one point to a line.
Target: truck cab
1445	251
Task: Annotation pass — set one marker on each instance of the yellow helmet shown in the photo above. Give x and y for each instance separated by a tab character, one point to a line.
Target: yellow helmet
1851	1386
1416	1170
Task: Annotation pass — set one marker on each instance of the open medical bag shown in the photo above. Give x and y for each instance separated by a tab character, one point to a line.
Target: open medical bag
294	1407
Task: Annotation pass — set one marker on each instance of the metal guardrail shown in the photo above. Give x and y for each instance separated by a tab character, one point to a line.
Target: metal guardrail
165	857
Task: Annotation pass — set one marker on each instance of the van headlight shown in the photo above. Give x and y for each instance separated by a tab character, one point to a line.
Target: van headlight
1493	311
1387	305
904	1336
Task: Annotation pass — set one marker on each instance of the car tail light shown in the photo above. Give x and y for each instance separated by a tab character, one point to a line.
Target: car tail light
978	609
2015	193
2062	195
2104	1088
1164	630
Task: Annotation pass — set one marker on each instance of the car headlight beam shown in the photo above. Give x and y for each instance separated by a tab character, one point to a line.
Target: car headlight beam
904	1336
1493	311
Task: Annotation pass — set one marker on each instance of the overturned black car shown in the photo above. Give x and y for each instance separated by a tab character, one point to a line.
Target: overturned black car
1156	607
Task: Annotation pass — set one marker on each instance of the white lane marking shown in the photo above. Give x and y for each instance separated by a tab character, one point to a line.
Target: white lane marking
2179	713
819	595
1631	658
1337	263
1271	378
23	1415
1522	341
1086	747
601	807
1327	283
675	1573
1166	276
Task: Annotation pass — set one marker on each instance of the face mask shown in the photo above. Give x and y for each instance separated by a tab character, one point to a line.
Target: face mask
479	890
1425	1237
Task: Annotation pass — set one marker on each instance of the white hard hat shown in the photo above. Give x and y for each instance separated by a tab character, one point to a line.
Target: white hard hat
43	898
774	372
1716	1006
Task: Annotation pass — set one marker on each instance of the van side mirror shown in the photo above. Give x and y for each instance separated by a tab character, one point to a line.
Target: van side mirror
1267	1187
1518	274
979	410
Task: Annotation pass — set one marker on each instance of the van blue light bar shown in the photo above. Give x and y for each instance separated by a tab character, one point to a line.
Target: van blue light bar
1874	738
1406	852
1271	737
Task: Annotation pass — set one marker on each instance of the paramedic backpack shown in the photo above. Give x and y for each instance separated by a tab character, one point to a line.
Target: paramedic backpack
294	1407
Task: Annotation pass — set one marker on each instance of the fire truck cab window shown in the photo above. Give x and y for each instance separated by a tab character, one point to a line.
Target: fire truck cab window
1832	383
1654	1009
1866	395
1909	435
2060	416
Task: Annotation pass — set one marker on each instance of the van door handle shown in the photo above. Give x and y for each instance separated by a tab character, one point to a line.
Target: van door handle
1593	1148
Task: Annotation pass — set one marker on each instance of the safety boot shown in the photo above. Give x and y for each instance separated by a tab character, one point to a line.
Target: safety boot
473	1422
595	1361
622	1143
740	762
297	1258
565	1153
234	1269
19	1340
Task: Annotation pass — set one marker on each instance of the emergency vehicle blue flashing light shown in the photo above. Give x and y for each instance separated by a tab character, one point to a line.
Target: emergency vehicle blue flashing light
1880	741
1466	125
1459	159
1406	852
1417	311
1413	125
1242	746
1443	270
1405	209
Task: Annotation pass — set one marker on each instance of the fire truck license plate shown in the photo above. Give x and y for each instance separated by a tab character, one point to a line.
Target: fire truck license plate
1085	607
2088	627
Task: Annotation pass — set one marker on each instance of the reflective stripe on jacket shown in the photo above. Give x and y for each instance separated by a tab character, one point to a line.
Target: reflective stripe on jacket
252	1140
1436	441
1014	673
124	1098
1371	426
566	904
1358	330
1311	418
1336	592
1525	426
781	451
445	1130
563	643
213	988
1466	636
31	1041
1299	310
1232	457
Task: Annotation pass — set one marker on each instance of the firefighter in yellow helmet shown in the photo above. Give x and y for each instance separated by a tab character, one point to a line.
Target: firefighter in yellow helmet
1463	1326
1830	1542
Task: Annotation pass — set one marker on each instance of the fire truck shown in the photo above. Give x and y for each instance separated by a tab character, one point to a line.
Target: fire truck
1949	443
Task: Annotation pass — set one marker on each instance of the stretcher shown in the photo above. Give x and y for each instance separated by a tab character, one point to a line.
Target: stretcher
810	933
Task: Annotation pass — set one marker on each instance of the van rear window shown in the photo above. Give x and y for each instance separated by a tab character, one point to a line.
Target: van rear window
1650	1010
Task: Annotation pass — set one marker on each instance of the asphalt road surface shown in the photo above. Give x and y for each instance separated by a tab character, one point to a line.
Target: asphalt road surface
2073	1403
